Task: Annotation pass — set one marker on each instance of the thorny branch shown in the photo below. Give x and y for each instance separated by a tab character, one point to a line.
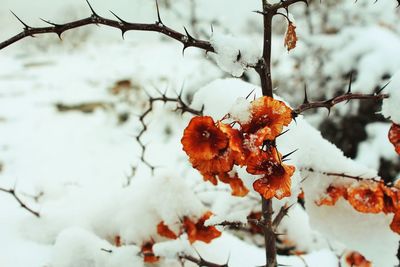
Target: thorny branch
181	106
328	104
185	38
21	203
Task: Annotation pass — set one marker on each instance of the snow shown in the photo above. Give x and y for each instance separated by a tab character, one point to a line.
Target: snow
240	110
376	146
235	55
390	106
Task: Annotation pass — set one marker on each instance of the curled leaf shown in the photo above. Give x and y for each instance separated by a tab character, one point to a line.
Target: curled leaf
291	36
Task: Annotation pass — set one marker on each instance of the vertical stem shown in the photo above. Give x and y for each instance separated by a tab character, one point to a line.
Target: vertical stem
269	235
263	67
264	71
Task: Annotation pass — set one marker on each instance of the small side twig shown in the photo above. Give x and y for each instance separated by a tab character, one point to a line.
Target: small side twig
20	202
181	106
279	217
201	262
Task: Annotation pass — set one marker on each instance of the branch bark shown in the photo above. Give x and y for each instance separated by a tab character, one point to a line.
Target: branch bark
185	38
263	69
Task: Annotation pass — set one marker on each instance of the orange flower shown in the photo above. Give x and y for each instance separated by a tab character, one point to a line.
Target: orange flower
394	136
197	231
236	184
209	149
202	140
395	224
366	197
390	199
235	142
163	230
264	162
277	184
210	168
268	118
148	254
355	259
332	196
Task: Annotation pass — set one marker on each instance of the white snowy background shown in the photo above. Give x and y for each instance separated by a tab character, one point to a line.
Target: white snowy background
75	168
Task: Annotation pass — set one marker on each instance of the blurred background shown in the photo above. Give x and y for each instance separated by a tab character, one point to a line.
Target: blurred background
69	109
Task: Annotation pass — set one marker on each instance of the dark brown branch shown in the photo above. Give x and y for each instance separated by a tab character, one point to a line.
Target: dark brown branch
201	262
181	106
186	39
20	202
328	104
269	234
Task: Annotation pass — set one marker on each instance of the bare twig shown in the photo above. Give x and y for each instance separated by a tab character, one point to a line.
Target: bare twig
185	38
201	262
21	203
279	217
181	106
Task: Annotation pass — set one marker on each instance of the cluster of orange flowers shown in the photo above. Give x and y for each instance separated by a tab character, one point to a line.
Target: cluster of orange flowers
215	147
367	197
394	136
196	231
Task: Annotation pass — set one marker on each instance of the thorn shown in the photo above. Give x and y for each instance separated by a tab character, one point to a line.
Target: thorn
282	133
119	18
122	24
91	9
26	26
305	95
212	28
252	91
49	22
239	56
188	34
329	110
383	87
287	155
158	14
350	81
184	48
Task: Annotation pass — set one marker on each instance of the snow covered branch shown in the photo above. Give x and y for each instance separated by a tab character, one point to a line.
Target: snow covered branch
185	38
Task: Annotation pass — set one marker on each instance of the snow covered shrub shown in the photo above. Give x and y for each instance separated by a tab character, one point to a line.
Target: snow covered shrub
215	188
